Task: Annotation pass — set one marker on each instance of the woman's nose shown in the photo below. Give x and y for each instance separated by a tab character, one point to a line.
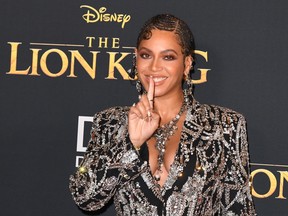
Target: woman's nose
156	65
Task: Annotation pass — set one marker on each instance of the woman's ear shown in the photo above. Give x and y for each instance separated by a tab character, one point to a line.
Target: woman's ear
188	64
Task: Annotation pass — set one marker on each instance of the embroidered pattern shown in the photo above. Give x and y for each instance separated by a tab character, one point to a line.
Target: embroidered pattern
213	137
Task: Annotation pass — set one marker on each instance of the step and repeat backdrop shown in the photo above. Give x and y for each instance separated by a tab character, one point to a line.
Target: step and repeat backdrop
62	61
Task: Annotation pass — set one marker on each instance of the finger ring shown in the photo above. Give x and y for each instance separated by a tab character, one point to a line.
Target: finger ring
149	113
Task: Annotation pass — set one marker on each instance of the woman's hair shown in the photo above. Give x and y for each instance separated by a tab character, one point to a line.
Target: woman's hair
168	22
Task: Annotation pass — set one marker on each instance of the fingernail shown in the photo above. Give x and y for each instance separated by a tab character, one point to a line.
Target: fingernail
139	97
134	105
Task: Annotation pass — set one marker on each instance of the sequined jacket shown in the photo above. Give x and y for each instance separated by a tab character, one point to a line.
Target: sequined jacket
212	137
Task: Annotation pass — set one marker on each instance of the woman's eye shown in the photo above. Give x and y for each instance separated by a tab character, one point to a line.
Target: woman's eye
169	57
145	56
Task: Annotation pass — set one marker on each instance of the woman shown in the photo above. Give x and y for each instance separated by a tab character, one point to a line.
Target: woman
167	154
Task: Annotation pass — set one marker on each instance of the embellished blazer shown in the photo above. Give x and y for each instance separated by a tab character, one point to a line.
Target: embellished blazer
209	175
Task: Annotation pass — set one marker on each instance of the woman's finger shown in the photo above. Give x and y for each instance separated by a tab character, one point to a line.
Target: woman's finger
150	93
142	107
134	111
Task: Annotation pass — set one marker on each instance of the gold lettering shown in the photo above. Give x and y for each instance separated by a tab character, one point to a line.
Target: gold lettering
272	179
101	41
283	175
43	63
115	42
34	67
120	18
203	54
90	41
203	72
90	17
93	15
203	76
13	60
125	20
90	70
116	64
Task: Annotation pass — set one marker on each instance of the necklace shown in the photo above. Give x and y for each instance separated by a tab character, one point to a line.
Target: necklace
162	135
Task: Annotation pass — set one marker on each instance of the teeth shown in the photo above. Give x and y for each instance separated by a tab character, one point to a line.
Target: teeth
158	79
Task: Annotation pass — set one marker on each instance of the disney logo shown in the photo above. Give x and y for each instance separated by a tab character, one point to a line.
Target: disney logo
93	15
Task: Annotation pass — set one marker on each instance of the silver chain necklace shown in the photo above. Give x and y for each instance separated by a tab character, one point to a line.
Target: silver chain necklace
162	135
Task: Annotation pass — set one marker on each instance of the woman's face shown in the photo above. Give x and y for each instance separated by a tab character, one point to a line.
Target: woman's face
161	57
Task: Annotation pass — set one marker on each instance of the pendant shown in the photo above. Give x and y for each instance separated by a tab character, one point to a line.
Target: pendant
162	135
198	166
157	177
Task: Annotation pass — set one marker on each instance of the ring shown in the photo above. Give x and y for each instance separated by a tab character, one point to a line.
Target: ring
148	118
149	113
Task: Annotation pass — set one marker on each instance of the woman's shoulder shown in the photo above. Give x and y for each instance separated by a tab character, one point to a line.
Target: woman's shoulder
113	110
117	113
219	113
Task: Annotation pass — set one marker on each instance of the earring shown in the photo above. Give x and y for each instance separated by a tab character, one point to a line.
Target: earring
139	87
189	84
133	71
134	74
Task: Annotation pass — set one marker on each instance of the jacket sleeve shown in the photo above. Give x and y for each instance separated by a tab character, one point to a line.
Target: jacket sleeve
109	162
236	192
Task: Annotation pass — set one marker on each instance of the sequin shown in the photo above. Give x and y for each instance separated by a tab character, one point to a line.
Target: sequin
209	176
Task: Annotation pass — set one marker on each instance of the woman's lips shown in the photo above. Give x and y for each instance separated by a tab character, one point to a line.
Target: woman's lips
157	79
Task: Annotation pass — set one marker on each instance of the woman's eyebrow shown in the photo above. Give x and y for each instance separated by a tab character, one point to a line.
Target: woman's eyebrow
163	51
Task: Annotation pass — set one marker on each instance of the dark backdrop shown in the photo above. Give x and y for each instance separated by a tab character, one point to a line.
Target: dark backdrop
46	91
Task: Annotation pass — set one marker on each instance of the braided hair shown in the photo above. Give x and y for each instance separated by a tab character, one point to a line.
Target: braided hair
168	22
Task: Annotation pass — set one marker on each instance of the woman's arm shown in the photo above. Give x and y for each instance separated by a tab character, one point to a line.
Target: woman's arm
236	192
110	161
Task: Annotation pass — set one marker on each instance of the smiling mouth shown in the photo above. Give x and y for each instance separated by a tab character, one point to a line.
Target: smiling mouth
158	79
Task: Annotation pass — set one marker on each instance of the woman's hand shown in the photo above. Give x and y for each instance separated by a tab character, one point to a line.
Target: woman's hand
142	120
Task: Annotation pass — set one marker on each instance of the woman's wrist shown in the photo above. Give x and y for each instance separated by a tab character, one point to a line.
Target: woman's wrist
136	144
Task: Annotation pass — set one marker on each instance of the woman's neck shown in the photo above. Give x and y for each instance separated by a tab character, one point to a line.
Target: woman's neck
168	106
